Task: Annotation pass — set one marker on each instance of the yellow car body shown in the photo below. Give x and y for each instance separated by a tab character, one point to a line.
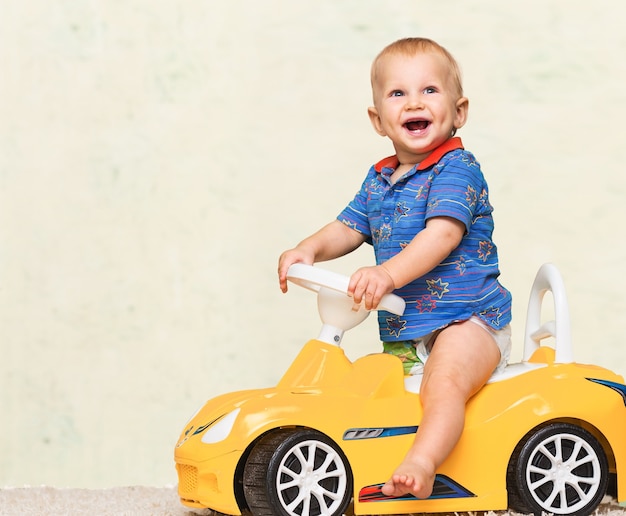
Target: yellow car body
370	394
367	412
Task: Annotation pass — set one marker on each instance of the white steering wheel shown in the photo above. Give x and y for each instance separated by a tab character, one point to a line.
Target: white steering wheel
336	308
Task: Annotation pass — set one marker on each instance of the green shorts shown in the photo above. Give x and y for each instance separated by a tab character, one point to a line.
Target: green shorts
406	351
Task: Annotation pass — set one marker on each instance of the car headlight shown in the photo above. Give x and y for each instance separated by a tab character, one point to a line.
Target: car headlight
220	430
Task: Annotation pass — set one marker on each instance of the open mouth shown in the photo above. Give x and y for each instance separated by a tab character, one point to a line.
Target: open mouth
417	125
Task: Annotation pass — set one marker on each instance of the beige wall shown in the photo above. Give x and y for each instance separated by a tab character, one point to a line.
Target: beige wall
157	156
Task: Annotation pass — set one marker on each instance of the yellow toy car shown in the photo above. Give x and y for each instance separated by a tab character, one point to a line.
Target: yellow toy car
545	435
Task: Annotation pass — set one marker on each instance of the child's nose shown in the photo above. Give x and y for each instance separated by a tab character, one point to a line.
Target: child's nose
414	102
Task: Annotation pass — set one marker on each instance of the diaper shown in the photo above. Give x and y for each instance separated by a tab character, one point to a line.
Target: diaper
414	353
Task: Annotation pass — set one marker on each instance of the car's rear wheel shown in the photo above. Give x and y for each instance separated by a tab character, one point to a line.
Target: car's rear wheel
559	469
297	472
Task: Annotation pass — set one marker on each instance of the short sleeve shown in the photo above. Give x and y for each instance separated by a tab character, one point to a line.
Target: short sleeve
457	189
354	214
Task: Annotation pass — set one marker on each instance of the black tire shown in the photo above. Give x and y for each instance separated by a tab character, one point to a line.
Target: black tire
297	472
560	469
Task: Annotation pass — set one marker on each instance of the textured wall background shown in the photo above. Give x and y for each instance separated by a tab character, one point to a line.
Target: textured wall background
157	156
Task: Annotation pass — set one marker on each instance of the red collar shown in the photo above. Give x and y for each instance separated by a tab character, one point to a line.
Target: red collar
430	160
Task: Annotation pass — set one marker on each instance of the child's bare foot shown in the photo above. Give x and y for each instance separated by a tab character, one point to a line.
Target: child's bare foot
410	477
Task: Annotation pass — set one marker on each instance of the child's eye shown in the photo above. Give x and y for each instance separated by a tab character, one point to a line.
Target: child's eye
396	93
430	89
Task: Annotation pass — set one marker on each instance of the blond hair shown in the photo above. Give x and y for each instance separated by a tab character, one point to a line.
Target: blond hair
413	46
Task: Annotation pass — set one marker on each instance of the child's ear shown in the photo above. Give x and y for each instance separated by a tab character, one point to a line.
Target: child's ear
460	117
375	119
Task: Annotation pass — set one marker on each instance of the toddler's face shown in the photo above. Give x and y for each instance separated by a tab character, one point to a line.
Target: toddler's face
416	104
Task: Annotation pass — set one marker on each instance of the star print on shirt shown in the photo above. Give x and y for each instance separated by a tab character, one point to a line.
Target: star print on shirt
376	184
437	287
492	314
382	233
461	266
425	304
401	210
395	325
469	159
484	198
470	196
433	204
484	250
421	193
349	224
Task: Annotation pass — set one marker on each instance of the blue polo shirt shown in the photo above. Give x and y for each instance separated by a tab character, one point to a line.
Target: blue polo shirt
448	183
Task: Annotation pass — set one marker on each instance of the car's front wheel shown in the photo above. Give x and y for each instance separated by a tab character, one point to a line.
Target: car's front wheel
559	469
297	472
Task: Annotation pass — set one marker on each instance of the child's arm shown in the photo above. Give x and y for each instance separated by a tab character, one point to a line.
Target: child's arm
427	250
332	241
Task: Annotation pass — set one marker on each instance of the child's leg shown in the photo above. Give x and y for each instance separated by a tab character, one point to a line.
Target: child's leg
462	359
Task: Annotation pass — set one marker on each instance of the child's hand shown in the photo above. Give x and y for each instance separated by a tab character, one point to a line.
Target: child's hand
333	240
288	258
370	284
